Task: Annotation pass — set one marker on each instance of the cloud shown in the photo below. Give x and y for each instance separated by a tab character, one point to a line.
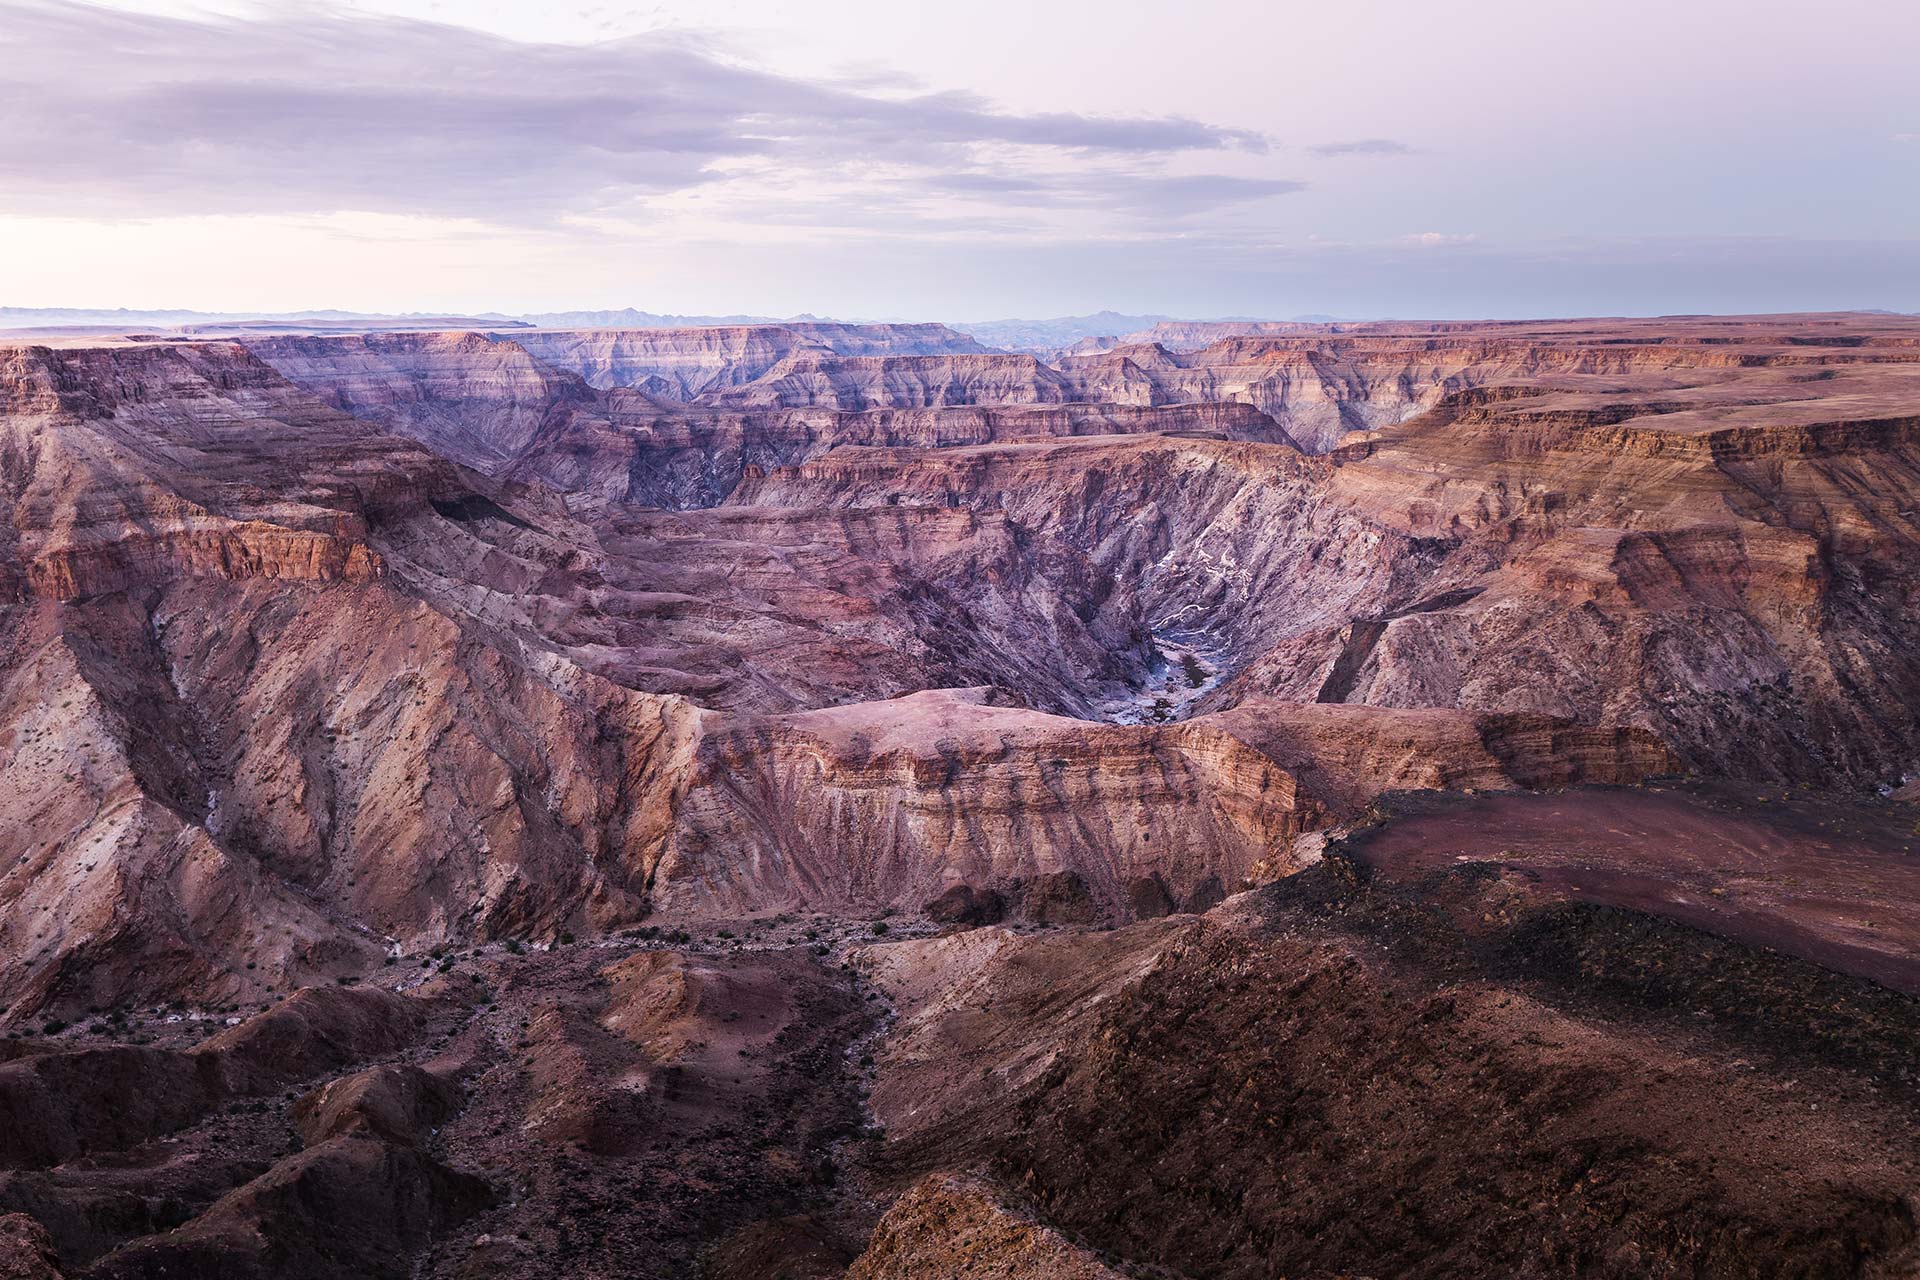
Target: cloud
1137	194
1438	239
1363	147
313	109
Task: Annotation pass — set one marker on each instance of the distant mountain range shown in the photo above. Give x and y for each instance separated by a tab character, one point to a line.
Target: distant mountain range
122	319
1047	335
628	318
1062	331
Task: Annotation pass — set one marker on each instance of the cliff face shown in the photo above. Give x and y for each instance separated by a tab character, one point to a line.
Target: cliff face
1323	382
901	801
684	363
898	382
467	397
135	466
489	403
1731	554
643	453
229	721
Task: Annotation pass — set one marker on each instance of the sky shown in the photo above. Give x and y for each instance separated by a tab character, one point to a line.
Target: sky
868	159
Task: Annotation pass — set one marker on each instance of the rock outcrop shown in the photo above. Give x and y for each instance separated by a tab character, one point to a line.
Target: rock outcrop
1455	1075
962	1227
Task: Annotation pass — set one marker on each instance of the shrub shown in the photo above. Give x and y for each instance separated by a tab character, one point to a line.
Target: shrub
879	927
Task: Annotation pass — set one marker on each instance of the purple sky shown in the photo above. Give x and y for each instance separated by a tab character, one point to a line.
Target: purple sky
964	162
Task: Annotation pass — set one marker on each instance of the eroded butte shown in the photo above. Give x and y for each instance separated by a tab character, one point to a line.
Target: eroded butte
805	800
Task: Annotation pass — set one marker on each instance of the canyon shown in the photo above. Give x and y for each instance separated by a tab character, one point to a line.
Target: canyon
814	799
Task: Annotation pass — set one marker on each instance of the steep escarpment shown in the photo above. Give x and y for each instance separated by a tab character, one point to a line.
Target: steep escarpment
899	382
468	397
889	339
1726	567
899	802
686	363
676	362
1218	536
1322	383
146	467
1325	388
644	453
221	765
220	790
1674	574
490	404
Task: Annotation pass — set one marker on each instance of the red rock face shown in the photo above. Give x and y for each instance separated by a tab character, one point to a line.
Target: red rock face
318	653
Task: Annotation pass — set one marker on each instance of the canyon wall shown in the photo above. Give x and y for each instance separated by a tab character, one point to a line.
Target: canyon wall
687	362
316	646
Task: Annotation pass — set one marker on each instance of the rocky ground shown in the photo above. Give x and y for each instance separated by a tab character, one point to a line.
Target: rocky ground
1462	1071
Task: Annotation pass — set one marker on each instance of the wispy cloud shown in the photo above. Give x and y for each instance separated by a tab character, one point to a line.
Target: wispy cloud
1362	147
1141	195
317	110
